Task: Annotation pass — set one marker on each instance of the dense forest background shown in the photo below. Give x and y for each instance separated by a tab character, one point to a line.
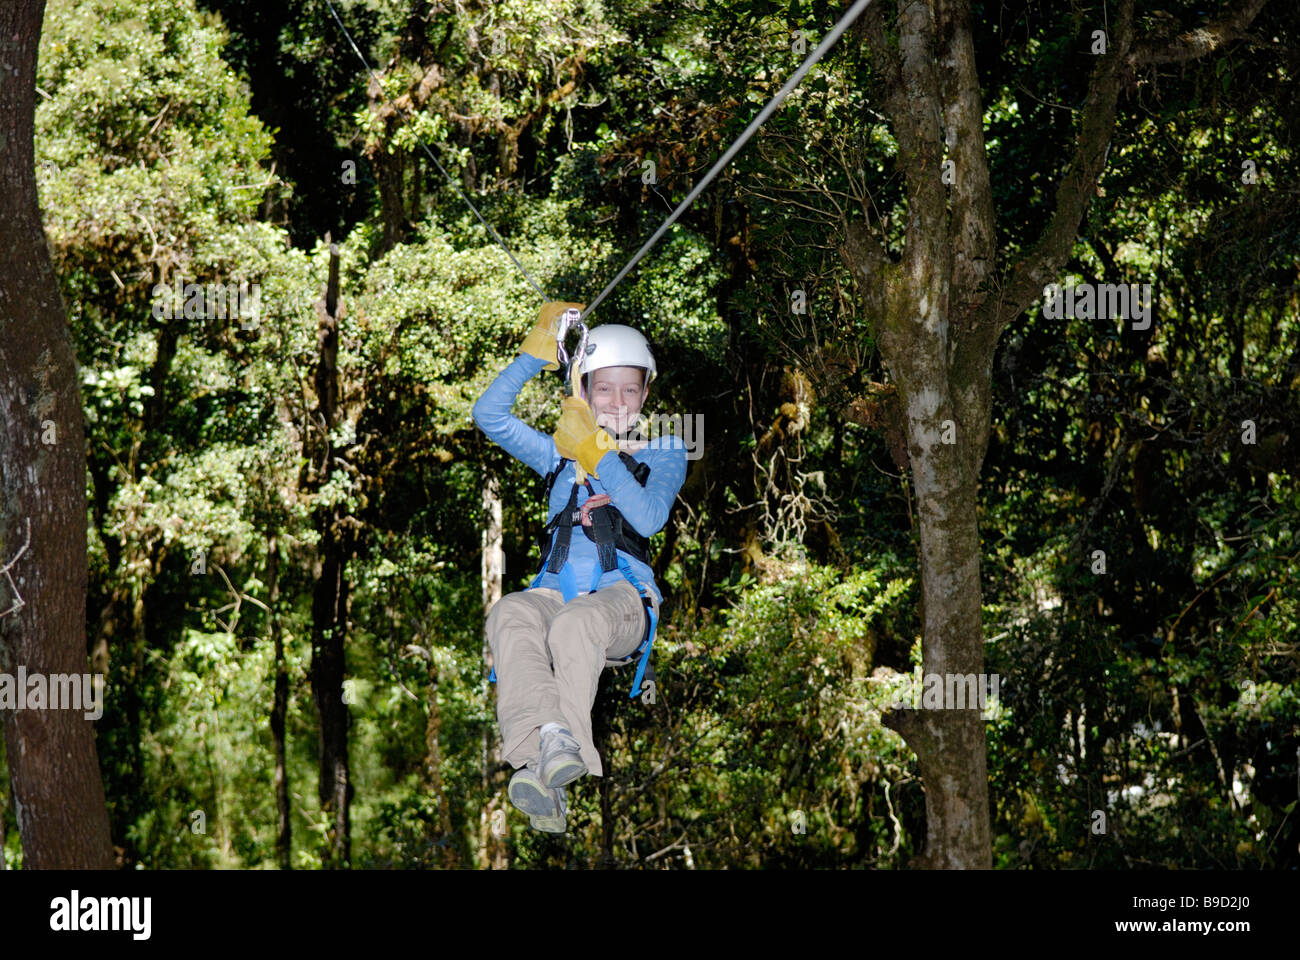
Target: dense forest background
1148	711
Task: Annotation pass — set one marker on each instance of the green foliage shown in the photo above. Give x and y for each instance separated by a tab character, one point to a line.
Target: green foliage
1161	693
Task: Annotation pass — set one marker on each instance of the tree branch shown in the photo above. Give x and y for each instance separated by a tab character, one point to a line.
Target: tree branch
1197	43
1045	260
971	229
913	107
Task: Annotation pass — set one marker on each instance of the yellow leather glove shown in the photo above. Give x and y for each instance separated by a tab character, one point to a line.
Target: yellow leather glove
540	342
578	438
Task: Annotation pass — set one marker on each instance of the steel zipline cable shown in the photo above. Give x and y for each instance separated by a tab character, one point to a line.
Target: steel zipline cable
827	42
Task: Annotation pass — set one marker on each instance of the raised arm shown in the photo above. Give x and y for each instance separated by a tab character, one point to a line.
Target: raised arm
492	413
493	416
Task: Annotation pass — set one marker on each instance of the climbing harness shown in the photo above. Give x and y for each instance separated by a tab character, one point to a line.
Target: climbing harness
608	529
827	42
611	533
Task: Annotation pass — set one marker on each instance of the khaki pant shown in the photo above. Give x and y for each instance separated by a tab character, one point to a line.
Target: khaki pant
549	655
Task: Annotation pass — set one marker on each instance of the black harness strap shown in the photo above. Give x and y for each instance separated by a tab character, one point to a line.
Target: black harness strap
602	532
562	524
609	531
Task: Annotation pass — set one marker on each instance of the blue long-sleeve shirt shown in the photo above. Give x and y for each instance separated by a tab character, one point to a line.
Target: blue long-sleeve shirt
645	508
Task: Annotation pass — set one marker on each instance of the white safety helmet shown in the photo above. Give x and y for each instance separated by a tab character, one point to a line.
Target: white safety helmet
616	345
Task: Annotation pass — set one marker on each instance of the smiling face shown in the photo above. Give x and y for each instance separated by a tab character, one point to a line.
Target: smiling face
617	394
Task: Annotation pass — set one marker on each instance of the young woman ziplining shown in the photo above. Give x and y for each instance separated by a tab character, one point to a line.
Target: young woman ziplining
594	603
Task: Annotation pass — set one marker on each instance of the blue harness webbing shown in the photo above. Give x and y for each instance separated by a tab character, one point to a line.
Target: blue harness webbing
569	589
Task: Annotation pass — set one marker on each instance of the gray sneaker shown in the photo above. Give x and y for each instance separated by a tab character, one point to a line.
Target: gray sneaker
557	823
561	759
529	794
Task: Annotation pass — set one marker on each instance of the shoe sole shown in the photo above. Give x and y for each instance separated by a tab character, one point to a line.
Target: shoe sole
549	824
564	772
532	799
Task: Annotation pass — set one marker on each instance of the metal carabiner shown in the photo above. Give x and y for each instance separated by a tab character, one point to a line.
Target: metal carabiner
568	321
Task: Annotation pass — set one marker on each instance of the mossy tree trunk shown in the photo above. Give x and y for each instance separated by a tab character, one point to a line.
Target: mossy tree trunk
58	794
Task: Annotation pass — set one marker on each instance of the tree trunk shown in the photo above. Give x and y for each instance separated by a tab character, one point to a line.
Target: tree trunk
279	710
433	769
496	853
937	315
600	739
329	608
53	766
328	668
390	171
949	743
4	816
920	310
